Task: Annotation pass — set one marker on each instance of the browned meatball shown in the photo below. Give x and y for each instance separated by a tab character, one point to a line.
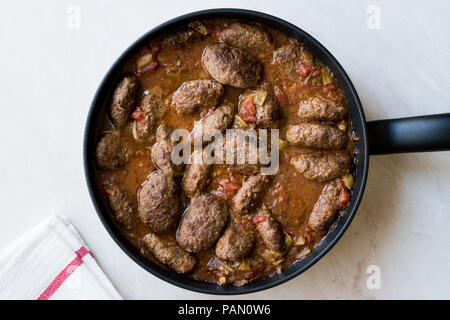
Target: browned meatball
159	202
123	205
325	208
235	243
270	231
196	177
183	38
169	253
246	36
288	57
319	109
247	197
202	223
111	152
162	151
197	94
231	66
244	148
216	120
151	110
316	136
124	100
322	165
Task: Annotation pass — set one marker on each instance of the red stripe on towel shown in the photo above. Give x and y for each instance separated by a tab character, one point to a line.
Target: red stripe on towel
64	274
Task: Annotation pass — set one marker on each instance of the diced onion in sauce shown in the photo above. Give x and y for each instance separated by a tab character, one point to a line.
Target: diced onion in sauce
300	241
308	57
134	131
278	262
326	76
288	239
244	265
349	181
144	60
282	144
304	253
342	127
242	122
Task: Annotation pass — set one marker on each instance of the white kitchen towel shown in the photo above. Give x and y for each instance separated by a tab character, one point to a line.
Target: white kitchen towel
52	262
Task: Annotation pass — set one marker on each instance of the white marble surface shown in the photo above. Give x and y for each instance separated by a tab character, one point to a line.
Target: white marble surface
49	73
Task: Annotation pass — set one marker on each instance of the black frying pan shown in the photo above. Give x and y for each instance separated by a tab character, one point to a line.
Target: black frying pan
417	134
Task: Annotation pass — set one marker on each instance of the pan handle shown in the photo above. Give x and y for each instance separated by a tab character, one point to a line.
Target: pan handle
414	134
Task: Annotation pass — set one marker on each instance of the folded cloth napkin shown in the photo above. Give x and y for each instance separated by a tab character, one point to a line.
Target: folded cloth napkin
52	262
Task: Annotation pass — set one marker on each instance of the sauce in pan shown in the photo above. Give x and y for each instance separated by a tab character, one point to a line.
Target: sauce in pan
252	69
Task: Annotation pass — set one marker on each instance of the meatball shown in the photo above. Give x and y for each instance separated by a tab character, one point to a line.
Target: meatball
123	206
162	151
124	100
244	150
182	38
235	243
111	152
202	223
288	57
270	231
151	110
169	253
246	36
159	202
231	66
196	177
248	195
325	208
197	94
319	109
216	120
322	165
316	136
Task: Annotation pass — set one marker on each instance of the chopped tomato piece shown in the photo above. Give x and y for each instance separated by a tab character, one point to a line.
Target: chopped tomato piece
304	69
341	184
344	198
281	96
258	219
247	109
230	187
138	115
